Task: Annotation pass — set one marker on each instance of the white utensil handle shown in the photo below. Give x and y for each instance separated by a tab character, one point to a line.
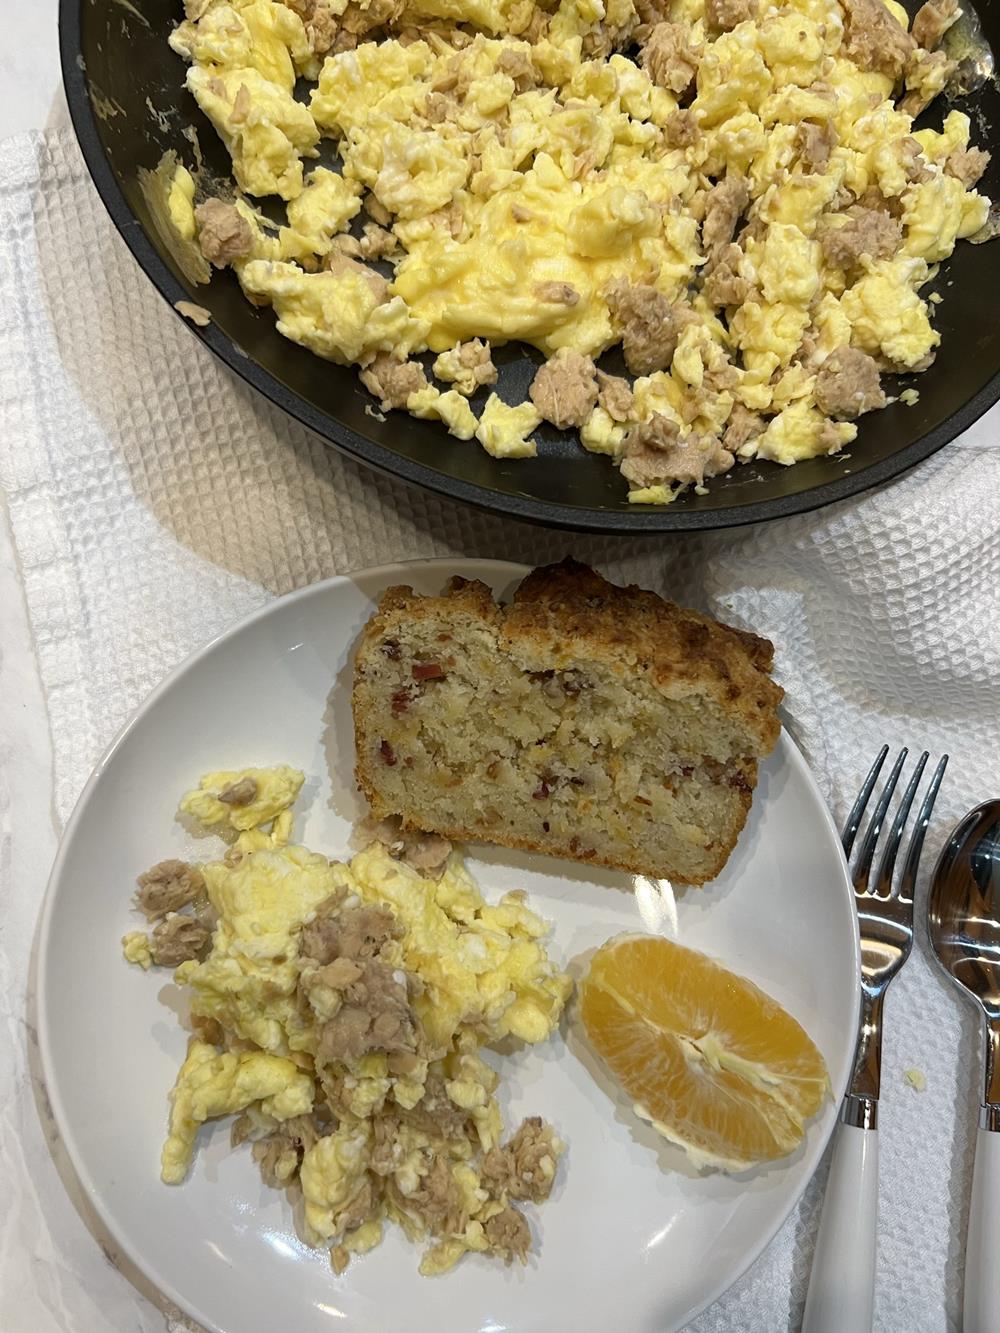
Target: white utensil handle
982	1246
842	1284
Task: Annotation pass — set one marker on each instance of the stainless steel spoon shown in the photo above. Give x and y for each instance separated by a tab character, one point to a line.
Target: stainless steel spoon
966	45
963	918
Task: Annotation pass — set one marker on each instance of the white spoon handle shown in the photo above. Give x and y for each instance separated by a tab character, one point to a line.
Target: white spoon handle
842	1284
982	1246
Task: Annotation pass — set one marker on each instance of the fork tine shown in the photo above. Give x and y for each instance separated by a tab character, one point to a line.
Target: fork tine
908	879
887	861
858	808
863	864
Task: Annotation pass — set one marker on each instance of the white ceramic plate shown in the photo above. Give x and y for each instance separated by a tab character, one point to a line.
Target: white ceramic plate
630	1227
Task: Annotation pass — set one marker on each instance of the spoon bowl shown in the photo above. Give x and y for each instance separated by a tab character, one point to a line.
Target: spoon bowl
963	914
963	921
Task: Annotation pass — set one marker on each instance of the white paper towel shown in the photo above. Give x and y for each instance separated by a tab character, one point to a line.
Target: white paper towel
154	500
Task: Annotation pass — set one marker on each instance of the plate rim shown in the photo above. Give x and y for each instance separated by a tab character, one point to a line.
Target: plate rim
518	505
386	573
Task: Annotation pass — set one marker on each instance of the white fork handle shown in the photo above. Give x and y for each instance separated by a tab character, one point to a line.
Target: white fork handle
842	1283
982	1246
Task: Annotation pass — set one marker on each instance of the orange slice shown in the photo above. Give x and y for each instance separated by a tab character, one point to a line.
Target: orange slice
713	1062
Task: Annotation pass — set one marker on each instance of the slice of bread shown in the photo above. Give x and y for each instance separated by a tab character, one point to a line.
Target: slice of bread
585	720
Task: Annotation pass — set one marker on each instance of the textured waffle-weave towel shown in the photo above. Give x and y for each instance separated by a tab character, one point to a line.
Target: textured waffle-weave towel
153	500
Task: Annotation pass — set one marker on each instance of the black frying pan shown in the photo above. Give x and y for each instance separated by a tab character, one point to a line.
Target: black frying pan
115	58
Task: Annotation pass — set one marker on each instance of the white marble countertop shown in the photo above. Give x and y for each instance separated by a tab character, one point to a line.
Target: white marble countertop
33	99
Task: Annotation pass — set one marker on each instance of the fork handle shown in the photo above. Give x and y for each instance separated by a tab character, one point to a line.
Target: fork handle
982	1246
842	1283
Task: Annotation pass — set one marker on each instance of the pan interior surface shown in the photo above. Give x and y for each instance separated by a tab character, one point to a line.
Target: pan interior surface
129	106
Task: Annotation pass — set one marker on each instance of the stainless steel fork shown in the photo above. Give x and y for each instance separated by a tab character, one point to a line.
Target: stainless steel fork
842	1283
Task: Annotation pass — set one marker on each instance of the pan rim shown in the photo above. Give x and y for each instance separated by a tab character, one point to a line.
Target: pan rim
526	508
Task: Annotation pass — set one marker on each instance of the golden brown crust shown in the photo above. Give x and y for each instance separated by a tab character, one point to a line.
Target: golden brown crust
558	606
400	603
635	865
568	613
575	849
470	595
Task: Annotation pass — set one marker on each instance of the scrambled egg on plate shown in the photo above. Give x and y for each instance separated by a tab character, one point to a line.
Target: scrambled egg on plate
744	207
339	1010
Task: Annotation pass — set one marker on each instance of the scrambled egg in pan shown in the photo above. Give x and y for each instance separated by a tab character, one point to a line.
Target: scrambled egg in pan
339	1010
744	207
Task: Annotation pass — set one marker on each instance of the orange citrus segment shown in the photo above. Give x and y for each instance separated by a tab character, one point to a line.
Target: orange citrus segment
716	1064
